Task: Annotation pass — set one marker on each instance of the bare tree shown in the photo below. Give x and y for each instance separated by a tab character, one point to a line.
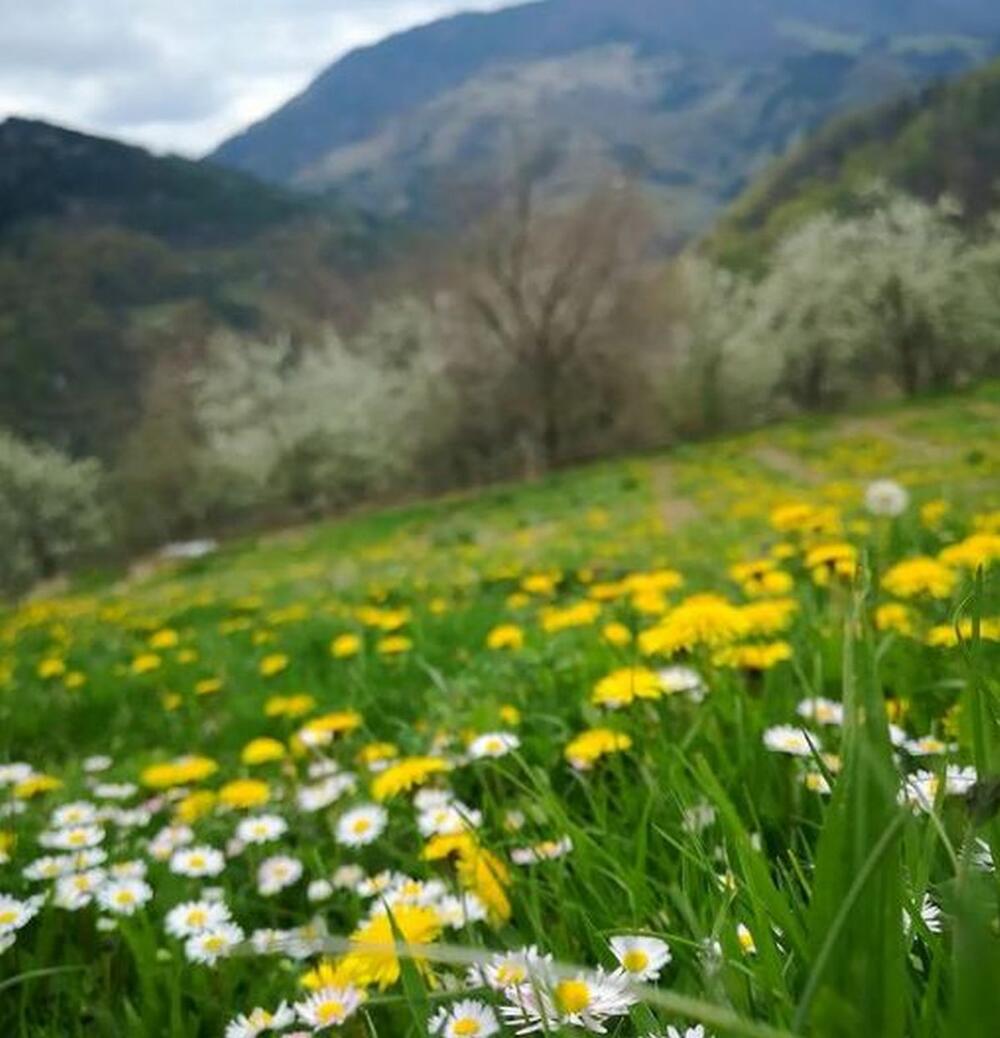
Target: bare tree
547	285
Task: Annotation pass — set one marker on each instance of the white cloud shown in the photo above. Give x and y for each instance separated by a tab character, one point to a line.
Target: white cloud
181	75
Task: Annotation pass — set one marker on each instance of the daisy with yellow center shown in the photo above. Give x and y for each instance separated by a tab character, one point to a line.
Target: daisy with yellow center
642	958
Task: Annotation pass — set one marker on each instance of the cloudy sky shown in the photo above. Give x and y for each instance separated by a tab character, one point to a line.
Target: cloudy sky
181	75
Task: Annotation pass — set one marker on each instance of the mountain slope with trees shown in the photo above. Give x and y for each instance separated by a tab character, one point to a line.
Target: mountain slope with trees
946	142
112	259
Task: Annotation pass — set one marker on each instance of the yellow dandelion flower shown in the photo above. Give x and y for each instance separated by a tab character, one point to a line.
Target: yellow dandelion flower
289	706
34	785
195	805
837	560
242	794
919	576
761	578
541	583
621	687
590	746
981	549
52	667
769	616
146	662
894	616
581	614
273	664
505	636
262	751
701	620
616	634
407	774
179	772
375	752
510	714
754	658
933	512
374	955
208	686
344	646
394	645
166	638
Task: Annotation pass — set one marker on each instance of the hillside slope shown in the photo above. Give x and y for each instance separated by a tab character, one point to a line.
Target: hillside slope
946	141
111	259
693	99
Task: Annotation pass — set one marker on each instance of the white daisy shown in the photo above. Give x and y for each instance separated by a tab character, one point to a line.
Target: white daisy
361	825
683	679
209	946
511	969
78	889
930	913
449	819
322	794
493	744
429	798
547	850
197	861
276	873
785	738
12	774
457	912
698	818
347	877
329	1007
822	711
48	867
260	1020
15	913
134	869
96	763
585	1001
407	891
79	812
927	746
124	896
642	958
194	917
115	790
465	1019
261	829
268	941
168	839
75	838
319	890
371	886
307	940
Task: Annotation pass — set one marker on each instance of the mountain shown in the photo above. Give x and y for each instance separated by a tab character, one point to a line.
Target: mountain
693	98
112	259
946	141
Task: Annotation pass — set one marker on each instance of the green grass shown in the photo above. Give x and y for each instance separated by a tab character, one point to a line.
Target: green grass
821	882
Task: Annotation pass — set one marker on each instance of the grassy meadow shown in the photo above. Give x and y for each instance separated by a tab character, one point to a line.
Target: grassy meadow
698	743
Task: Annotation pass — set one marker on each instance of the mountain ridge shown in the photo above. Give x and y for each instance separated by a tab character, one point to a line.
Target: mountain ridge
696	98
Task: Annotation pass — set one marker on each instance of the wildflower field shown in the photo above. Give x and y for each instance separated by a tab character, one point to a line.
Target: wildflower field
702	743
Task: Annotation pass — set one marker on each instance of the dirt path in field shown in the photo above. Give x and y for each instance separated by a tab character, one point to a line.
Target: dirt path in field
786	464
675	510
887	430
